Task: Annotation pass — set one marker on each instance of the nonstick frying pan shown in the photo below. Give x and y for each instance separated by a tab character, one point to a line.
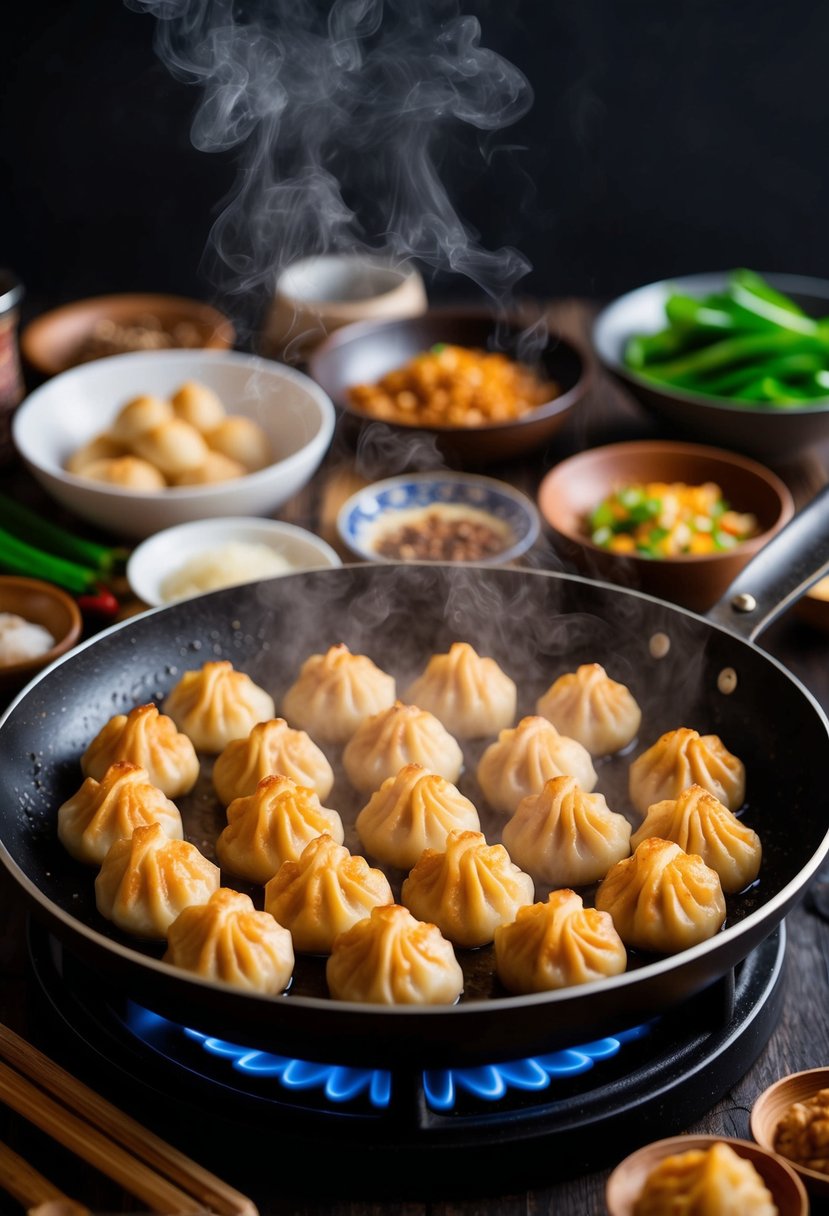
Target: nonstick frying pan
684	669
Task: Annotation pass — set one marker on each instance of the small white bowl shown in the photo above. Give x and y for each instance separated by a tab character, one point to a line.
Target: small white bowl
161	556
75	406
367	516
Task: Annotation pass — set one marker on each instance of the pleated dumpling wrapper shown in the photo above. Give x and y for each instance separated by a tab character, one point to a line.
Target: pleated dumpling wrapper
699	823
272	825
391	958
217	703
470	694
147	879
229	941
150	739
414	810
715	1179
402	734
323	893
467	889
684	757
104	811
557	944
662	899
587	705
524	757
565	837
271	747
335	691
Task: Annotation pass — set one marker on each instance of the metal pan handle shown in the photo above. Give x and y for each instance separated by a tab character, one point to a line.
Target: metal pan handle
783	570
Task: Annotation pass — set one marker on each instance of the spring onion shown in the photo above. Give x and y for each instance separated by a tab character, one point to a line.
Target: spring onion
32	528
18	557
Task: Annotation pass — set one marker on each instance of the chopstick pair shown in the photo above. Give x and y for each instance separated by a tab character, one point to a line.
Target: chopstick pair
102	1135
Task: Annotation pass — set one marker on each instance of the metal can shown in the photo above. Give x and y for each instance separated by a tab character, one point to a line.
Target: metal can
11	377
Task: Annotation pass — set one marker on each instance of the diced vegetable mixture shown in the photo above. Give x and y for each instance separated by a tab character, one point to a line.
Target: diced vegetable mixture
661	519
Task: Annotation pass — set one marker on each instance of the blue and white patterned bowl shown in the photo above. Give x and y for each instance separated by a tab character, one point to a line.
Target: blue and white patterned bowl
375	510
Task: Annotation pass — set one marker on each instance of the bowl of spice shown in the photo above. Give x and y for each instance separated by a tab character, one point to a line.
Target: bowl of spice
791	1118
38	623
676	520
439	517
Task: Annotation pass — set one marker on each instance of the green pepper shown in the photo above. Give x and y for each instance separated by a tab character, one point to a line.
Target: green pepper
690	370
785	367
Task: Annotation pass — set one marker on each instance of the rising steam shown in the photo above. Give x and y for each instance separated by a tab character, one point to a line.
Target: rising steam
342	115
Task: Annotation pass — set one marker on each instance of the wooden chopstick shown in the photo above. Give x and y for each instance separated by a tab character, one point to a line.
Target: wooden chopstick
103	1135
29	1187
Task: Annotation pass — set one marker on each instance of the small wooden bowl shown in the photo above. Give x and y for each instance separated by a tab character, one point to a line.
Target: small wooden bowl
626	1181
43	604
773	1104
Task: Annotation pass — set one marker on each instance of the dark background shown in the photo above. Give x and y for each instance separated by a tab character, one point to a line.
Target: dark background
664	138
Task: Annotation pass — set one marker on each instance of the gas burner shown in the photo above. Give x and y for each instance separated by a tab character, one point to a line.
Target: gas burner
554	1116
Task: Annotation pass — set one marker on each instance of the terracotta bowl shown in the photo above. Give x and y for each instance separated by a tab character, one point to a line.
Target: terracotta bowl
52	342
43	604
576	485
363	352
772	1105
625	1182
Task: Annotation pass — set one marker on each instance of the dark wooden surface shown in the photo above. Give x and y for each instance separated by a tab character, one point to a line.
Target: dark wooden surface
801	1039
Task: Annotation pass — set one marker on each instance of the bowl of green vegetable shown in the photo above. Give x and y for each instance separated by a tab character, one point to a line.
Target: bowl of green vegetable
736	358
675	520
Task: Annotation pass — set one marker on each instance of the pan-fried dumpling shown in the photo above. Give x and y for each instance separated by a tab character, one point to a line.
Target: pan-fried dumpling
335	691
243	439
715	1179
198	405
152	741
586	704
323	893
104	811
662	899
138	415
684	757
147	879
228	940
564	836
524	757
173	446
272	825
699	823
129	472
271	747
557	944
390	958
412	811
467	889
217	703
402	734
470	694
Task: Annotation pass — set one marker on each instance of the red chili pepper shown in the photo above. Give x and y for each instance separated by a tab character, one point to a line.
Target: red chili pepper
103	604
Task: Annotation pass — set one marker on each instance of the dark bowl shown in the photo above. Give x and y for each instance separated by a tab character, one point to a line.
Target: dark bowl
363	352
766	432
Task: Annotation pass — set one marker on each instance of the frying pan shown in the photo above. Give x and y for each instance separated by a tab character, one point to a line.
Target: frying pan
685	670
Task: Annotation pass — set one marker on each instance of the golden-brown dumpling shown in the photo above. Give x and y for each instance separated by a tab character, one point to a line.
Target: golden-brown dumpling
323	893
470	694
684	757
147	879
699	823
216	704
662	899
390	958
104	811
241	439
138	415
587	705
272	825
524	757
414	810
564	836
335	691
101	447
467	889
714	1180
198	405
557	944
402	734
271	747
149	739
172	447
228	940
129	472
215	467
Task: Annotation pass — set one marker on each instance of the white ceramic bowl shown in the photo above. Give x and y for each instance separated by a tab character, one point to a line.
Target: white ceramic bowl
372	512
75	406
153	561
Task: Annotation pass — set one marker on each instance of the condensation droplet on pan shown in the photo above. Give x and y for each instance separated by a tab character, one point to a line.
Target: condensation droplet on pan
659	645
727	681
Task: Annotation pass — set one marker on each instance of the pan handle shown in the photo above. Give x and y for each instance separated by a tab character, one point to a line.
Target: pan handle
779	574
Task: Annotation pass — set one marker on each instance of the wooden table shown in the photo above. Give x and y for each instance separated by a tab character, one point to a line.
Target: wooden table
801	1039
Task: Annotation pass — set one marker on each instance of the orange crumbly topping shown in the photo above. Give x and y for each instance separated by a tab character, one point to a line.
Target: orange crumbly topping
802	1135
